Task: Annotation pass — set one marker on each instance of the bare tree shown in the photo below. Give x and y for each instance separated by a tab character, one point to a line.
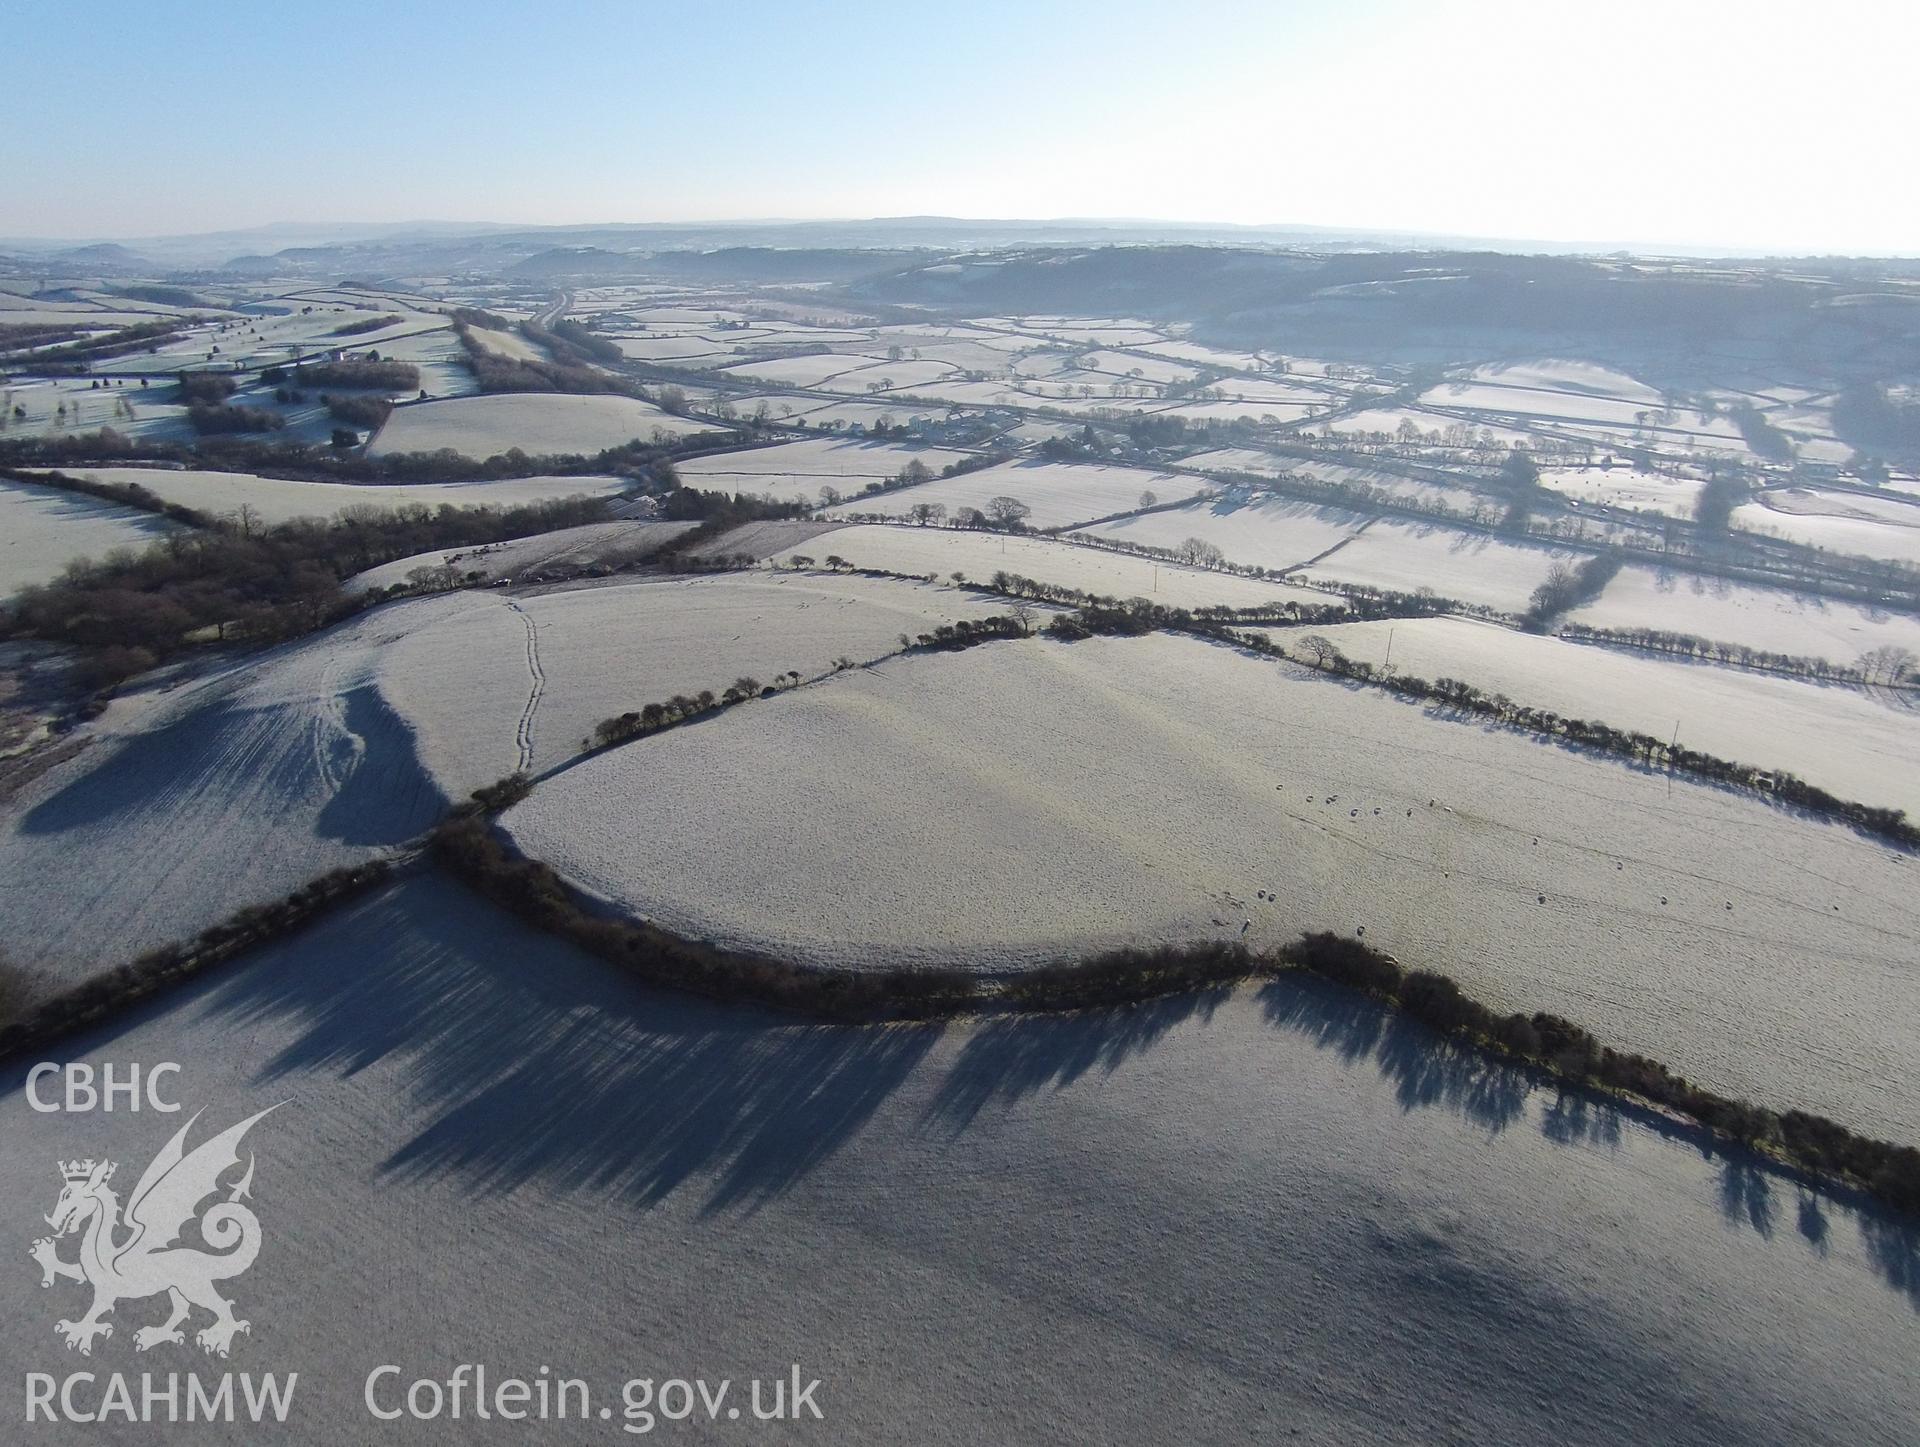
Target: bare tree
1006	511
1319	648
1890	664
929	512
1201	553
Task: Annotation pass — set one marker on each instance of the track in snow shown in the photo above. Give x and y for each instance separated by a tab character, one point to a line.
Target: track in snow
523	735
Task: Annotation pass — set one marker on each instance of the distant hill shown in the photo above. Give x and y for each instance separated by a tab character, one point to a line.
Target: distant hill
560	261
1664	319
105	258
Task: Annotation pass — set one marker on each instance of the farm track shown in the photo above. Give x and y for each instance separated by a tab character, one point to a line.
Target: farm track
523	735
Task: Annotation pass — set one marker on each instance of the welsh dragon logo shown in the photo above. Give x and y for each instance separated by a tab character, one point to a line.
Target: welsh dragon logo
138	1256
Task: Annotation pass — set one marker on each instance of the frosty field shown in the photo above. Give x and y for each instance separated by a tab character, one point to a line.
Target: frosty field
541	424
943	551
792	470
230	790
1624	487
1126	791
276	499
1262	532
490	683
1774	619
1059	493
1381	1229
1866	527
42	529
612	544
1472	567
1854	745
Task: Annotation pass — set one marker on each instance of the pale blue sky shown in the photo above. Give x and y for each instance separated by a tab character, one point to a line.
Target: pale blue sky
1753	125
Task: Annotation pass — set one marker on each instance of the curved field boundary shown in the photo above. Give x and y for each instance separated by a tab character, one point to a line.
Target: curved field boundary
475	851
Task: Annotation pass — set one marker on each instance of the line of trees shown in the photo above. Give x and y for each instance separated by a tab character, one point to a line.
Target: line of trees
359	410
73	358
236	581
29	1022
571	341
210	418
1566	587
306	462
1890	665
496	373
205	387
1549	1043
1572	1054
371	373
127	494
1778	785
682	708
365	325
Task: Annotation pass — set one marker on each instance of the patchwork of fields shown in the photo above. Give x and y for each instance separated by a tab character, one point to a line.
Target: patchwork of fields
1466	1248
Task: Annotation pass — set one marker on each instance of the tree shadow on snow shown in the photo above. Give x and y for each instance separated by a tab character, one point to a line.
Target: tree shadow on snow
360	762
536	1063
1424	1070
1427	1071
1009	1058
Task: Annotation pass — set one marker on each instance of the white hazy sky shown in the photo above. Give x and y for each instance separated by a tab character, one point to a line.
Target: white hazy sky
1755	125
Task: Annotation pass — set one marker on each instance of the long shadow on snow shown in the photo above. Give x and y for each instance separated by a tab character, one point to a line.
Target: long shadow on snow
535	1063
365	769
532	1062
1011	1057
1423	1069
1428	1071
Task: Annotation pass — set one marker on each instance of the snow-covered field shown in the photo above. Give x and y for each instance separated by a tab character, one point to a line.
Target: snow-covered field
811	371
1393	1245
67	406
1627	408
276	499
1388	419
685	351
1058	493
244	784
1769	618
507	344
542	424
1122	791
1263	532
495	683
1472	567
1855	745
944	551
792	470
611	544
1838	522
229	790
42	529
1562	375
1624	486
441	359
